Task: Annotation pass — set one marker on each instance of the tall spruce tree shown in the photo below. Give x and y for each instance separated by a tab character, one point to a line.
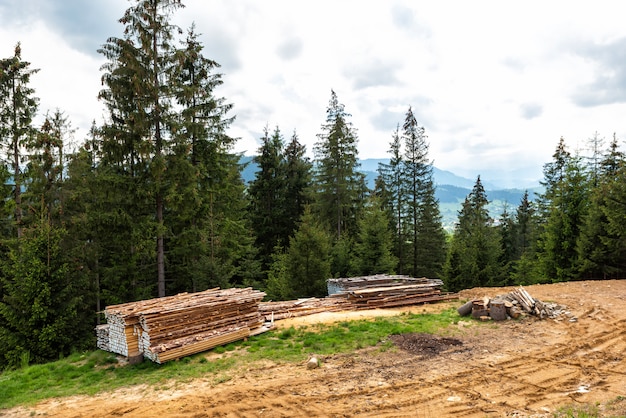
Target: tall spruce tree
596	243
475	248
298	171
612	259
205	192
431	236
416	171
524	242
340	187
18	106
567	208
267	194
390	188
506	230
139	86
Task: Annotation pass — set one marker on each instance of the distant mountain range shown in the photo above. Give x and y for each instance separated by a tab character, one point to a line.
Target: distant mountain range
451	190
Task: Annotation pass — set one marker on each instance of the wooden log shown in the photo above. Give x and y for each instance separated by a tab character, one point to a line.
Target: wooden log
497	310
514	312
465	309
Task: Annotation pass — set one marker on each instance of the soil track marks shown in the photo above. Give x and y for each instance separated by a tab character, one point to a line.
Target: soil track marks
519	368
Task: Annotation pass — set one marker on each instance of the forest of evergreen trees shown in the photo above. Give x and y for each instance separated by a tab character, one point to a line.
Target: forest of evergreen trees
152	202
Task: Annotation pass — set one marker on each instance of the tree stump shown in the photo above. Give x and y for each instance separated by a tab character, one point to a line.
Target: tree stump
497	310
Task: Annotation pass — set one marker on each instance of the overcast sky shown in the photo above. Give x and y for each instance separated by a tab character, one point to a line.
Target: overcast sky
494	83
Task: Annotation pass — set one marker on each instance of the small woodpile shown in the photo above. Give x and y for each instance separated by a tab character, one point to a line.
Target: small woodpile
384	291
511	305
168	328
274	311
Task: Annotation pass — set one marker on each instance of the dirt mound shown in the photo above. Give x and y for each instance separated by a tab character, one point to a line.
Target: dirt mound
425	345
522	368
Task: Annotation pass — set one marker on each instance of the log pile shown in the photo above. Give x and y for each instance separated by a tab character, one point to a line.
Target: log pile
387	292
168	328
511	305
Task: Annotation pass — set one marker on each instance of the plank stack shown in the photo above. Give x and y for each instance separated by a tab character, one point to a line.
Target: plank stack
348	284
169	328
274	311
383	291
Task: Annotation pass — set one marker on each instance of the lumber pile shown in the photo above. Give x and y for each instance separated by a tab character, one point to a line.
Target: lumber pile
348	284
390	291
510	305
102	337
169	328
273	311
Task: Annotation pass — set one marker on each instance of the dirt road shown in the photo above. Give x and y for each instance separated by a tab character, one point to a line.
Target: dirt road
518	368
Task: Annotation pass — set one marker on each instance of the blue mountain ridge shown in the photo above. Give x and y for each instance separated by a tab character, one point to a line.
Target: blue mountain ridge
451	189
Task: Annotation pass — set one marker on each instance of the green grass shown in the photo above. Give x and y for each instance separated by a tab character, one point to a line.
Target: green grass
615	408
97	371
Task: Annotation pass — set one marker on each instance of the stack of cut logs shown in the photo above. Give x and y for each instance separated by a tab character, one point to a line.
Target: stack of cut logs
513	305
384	291
172	327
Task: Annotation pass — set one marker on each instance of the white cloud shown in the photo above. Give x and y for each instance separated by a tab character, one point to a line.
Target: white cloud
495	84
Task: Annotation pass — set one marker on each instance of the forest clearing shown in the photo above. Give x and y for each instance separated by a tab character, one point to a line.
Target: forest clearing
522	368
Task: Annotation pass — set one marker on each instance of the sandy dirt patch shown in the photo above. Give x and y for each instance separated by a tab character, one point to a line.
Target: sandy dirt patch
519	368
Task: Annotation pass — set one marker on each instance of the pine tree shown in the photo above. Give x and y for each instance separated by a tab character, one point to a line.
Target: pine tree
139	86
560	233
391	191
612	258
508	256
267	194
553	175
210	243
415	171
340	187
475	248
46	164
594	246
431	237
524	234
18	106
42	304
298	171
308	260
374	243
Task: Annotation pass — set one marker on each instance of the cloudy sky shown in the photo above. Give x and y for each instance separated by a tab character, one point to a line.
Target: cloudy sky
495	84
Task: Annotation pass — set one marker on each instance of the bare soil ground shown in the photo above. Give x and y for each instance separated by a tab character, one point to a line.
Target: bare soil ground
521	368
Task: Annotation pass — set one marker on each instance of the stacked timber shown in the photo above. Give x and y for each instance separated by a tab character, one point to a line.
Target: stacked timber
123	322
169	328
347	284
200	323
102	337
273	311
394	293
